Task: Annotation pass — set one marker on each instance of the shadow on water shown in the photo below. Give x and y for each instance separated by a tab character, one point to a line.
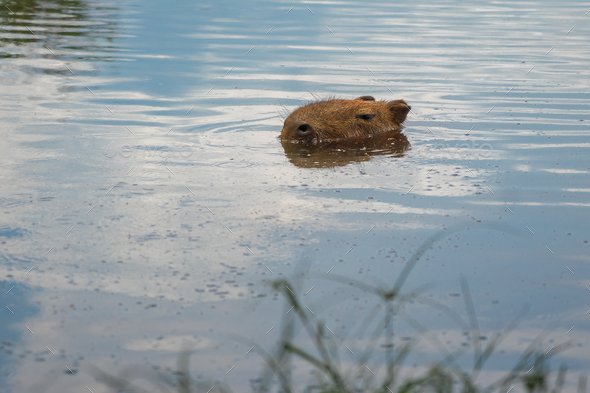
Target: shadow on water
340	153
57	24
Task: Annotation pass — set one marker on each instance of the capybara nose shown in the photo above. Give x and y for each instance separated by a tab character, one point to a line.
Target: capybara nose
304	130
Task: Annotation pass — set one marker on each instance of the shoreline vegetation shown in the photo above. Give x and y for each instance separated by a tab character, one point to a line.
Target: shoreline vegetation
531	373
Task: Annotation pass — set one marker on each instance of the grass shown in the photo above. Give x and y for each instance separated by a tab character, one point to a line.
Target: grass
531	373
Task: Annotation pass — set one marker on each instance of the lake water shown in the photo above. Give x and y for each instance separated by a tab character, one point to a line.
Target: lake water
146	201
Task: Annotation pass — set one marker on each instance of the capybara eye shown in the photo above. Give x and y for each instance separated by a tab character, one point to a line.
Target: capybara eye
365	116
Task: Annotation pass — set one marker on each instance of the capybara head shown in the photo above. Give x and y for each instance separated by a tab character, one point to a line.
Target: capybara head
338	119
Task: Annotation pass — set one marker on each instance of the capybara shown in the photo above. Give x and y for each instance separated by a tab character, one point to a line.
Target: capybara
339	119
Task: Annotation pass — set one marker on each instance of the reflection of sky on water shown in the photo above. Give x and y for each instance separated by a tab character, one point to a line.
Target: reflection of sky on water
17	310
147	198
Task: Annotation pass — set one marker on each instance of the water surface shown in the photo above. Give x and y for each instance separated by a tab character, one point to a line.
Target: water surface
146	200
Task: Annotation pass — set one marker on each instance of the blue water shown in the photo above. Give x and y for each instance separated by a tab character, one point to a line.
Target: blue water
146	201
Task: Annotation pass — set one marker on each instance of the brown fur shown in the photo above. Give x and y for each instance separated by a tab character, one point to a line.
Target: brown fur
339	119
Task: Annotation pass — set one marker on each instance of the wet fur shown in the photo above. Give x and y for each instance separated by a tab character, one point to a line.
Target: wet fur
341	119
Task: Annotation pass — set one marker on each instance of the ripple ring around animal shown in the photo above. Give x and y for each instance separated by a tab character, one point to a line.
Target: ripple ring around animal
342	120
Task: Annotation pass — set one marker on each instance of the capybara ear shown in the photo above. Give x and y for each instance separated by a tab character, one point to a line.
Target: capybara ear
365	98
399	110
